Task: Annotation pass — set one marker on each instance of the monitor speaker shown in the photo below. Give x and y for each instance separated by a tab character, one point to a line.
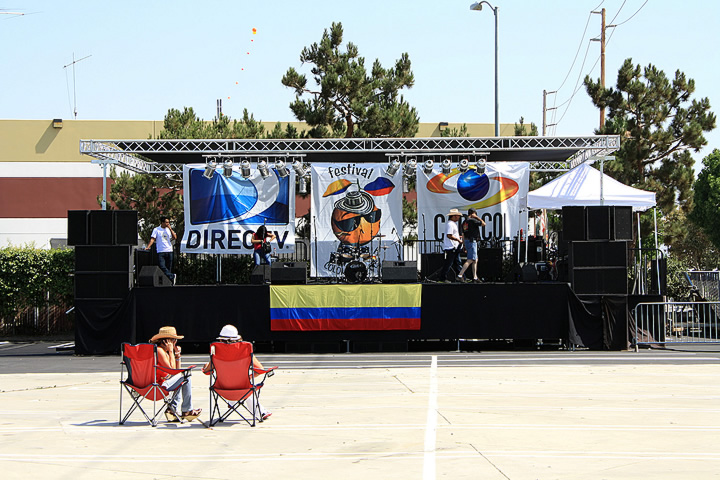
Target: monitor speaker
574	224
622	223
126	227
260	275
77	227
399	272
288	273
598	223
152	276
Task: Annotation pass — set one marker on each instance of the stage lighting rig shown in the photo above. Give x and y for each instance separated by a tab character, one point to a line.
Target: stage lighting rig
393	167
302	185
480	166
245	169
463	165
209	169
262	167
410	166
281	168
228	168
446	166
299	168
428	166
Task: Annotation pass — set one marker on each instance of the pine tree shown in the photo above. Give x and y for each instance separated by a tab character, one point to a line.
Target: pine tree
346	101
706	210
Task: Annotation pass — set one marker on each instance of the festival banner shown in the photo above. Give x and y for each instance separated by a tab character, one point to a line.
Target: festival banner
222	213
345	307
356	219
499	195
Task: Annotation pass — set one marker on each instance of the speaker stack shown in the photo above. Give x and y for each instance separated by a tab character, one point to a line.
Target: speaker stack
103	242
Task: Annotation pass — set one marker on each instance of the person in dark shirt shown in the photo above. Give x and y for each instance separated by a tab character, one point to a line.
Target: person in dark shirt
471	234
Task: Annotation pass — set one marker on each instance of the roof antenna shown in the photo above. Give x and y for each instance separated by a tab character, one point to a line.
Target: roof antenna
73	70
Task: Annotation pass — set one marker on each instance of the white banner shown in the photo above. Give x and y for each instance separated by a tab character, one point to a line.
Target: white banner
222	213
356	220
499	195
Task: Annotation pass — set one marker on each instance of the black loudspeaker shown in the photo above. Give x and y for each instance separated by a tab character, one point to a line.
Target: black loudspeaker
103	258
260	275
528	273
490	264
598	223
101	227
598	254
152	276
289	273
126	227
431	263
399	272
599	281
77	227
102	284
661	275
622	223
574	224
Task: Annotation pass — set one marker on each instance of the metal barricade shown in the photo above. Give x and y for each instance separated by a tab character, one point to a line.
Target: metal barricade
663	323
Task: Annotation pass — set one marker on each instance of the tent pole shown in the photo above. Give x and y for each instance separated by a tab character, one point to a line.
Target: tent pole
602	174
656	239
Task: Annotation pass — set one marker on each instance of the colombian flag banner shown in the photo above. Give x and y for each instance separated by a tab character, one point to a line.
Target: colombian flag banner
344	307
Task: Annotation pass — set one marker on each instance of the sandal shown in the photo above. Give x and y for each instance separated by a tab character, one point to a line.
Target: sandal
192	414
170	415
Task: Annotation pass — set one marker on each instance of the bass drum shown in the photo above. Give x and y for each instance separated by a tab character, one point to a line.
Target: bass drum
355	272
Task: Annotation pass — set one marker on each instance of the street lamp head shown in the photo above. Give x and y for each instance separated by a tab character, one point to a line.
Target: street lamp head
476	6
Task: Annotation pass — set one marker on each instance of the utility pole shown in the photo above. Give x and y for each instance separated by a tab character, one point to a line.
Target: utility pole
603	27
545	109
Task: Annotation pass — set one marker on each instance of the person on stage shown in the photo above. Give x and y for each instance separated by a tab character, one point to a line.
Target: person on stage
260	240
229	334
451	243
169	356
471	234
164	236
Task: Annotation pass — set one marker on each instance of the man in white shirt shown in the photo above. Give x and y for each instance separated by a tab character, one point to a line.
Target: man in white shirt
164	236
451	242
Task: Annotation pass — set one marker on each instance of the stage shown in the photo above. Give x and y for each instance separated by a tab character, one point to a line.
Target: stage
500	311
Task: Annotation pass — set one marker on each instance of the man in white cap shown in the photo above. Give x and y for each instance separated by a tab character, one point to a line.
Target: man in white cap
451	242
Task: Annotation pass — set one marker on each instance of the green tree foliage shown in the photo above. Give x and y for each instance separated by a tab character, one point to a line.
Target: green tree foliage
706	210
659	125
346	101
187	124
455	132
521	130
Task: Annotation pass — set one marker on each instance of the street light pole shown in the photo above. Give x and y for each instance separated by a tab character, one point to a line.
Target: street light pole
478	6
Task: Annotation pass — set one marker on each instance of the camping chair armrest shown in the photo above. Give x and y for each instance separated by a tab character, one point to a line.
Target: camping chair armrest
175	371
269	372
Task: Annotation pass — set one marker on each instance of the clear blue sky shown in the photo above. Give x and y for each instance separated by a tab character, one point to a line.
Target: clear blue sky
149	56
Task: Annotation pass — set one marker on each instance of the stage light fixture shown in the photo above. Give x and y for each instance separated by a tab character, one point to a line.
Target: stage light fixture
428	167
209	169
227	168
463	165
480	166
262	167
410	166
299	168
245	169
393	167
446	166
281	168
302	185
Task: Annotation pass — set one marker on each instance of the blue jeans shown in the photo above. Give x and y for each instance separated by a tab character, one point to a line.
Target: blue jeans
258	256
471	248
185	392
165	261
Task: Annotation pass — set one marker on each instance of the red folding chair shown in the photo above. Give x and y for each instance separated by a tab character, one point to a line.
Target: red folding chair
140	377
233	381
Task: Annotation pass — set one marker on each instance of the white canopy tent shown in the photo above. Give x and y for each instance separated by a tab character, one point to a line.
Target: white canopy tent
586	186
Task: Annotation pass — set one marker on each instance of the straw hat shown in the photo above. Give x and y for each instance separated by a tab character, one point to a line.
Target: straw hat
454	211
166	332
229	332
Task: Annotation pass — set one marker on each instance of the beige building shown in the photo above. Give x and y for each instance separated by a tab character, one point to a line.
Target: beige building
43	174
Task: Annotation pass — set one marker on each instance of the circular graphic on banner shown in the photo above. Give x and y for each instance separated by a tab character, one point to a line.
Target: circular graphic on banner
472	185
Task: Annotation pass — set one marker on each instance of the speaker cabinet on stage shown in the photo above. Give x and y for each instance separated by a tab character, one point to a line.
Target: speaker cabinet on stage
622	223
78	227
125	227
152	276
431	263
574	224
598	223
260	275
490	264
102	227
288	273
598	268
103	271
399	272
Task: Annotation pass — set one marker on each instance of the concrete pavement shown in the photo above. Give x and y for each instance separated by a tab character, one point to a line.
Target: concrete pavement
557	415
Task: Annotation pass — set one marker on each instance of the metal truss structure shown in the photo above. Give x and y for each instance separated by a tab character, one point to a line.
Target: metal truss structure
168	156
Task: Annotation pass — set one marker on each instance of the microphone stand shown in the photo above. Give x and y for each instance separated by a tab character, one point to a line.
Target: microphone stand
317	265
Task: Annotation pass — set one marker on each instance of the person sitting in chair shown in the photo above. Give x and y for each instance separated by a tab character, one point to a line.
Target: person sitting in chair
169	356
229	334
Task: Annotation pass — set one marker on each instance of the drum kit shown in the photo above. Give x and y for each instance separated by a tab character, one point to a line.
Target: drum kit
353	263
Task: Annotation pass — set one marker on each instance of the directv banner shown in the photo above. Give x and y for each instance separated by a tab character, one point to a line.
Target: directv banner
499	195
222	213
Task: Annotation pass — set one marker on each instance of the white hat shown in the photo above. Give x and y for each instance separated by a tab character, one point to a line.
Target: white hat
229	332
454	211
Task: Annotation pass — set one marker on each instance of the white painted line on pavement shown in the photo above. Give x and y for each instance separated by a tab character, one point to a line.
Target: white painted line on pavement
431	424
